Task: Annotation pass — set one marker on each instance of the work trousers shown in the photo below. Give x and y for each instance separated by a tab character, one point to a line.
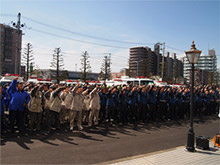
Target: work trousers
94	116
63	115
54	119
162	110
152	112
186	108
133	113
124	113
35	120
143	112
172	111
2	121
85	115
110	112
45	117
102	113
16	116
179	109
73	115
213	107
207	109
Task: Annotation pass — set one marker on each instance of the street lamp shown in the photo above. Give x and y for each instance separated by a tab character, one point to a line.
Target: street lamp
193	57
137	74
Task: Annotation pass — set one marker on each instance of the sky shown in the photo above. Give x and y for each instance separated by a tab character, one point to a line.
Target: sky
101	27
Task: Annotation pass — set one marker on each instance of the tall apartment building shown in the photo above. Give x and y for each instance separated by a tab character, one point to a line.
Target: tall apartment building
142	62
137	60
145	62
206	63
8	49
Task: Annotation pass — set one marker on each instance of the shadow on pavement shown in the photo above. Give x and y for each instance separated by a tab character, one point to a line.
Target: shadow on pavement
64	135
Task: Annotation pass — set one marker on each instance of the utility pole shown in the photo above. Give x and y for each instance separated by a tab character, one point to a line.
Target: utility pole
162	72
18	26
28	53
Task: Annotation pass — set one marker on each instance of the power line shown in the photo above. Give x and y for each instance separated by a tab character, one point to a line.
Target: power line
174	48
84	35
8	15
88	42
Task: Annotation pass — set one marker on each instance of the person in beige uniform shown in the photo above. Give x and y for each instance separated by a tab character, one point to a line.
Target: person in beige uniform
76	107
35	108
55	106
46	105
86	109
66	98
94	106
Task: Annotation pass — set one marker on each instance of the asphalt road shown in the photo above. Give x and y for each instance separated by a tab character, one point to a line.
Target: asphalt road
101	144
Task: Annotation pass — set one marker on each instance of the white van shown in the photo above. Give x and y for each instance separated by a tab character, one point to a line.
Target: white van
8	78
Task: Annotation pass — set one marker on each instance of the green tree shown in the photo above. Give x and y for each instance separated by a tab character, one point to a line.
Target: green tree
86	68
57	63
106	68
27	59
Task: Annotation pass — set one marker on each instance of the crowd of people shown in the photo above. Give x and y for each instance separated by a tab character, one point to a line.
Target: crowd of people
35	107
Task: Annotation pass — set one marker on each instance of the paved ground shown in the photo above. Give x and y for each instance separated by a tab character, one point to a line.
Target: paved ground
101	144
175	156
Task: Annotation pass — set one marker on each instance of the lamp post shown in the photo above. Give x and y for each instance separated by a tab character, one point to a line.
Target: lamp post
193	56
137	74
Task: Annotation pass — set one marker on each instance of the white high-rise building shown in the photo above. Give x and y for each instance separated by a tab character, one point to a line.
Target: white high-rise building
206	62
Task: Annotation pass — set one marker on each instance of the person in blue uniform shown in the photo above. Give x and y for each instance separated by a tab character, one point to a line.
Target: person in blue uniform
103	99
199	105
18	100
186	102
212	101
143	98
132	104
206	99
152	104
110	105
162	107
4	102
123	105
173	113
179	103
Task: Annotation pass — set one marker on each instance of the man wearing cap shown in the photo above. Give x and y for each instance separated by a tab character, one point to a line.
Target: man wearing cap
19	99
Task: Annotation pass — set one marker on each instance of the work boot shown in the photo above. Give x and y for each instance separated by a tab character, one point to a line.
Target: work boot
80	128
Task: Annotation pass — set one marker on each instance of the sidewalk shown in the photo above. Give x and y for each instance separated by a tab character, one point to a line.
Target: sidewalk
176	156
